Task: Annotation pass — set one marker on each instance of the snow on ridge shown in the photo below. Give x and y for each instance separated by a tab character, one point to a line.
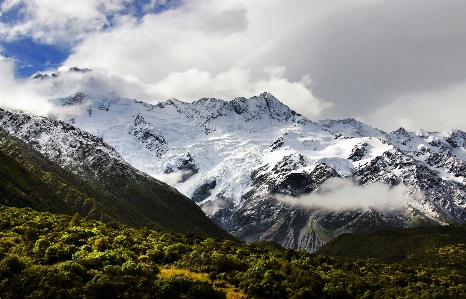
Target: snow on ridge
350	128
228	139
233	145
61	142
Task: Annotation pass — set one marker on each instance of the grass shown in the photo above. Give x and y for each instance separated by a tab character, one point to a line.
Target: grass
231	291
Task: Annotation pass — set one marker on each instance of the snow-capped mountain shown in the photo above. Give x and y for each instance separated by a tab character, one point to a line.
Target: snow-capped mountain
238	159
91	178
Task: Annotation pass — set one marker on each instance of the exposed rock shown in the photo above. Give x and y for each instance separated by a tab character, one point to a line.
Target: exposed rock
146	135
358	152
203	191
277	143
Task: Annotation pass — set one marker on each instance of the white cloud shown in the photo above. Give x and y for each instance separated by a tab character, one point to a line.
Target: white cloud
14	97
361	54
172	178
34	95
338	194
187	86
434	110
211	36
52	21
212	206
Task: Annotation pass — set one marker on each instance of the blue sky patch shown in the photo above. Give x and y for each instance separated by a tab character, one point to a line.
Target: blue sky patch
31	57
12	16
137	9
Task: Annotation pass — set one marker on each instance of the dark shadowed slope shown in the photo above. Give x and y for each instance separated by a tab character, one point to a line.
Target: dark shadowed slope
435	246
22	188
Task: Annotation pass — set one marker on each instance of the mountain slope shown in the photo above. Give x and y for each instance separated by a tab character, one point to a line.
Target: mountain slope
103	185
427	246
265	172
237	160
68	190
21	188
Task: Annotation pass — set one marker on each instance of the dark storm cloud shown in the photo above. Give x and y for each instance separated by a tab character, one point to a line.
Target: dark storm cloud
365	56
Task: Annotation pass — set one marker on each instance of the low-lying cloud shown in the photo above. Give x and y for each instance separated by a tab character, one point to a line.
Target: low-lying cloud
338	194
172	178
210	207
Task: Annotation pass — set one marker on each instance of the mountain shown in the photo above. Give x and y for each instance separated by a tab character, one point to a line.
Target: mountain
237	158
264	172
52	166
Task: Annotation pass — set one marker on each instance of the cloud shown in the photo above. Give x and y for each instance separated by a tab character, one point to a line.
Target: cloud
210	207
187	86
14	97
364	56
227	21
434	110
172	178
360	55
57	21
338	194
68	22
34	95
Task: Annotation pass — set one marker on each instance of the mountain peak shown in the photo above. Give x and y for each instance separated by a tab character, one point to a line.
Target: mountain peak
73	69
400	130
76	99
264	105
139	120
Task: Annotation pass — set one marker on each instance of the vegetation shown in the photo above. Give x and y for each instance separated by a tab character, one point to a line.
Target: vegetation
435	246
47	255
22	188
28	179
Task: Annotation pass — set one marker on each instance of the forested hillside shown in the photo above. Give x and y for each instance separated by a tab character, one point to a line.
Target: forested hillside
121	193
55	256
435	246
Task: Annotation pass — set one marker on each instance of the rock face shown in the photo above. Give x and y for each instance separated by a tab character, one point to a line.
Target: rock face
245	154
144	134
358	152
262	216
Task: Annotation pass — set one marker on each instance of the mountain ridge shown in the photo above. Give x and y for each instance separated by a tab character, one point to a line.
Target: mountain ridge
237	155
101	181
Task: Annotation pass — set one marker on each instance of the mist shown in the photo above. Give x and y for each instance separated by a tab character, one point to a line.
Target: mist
172	178
212	206
36	95
338	194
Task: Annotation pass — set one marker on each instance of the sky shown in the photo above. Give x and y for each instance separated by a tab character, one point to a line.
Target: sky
388	63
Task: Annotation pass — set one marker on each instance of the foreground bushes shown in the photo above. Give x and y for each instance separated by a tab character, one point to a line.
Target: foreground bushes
52	256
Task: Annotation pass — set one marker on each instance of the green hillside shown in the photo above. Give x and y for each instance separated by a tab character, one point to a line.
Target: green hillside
121	193
433	246
44	255
20	187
